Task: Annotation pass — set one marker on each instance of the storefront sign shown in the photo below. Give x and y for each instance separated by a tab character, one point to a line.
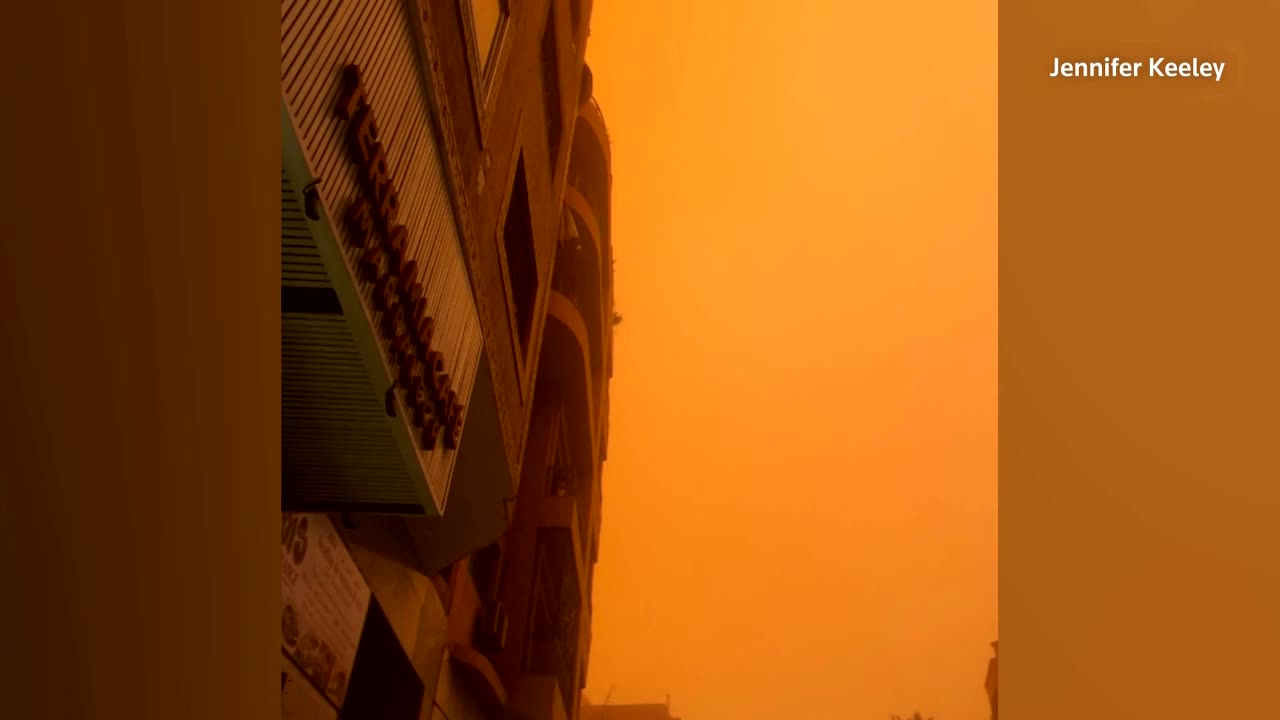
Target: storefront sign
325	603
299	699
372	226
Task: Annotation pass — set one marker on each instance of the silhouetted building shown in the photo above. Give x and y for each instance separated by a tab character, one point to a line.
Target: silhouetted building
426	147
532	143
993	676
646	711
520	609
447	314
512	89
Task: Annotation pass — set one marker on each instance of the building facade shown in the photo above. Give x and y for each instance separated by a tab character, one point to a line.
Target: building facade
447	316
642	711
520	605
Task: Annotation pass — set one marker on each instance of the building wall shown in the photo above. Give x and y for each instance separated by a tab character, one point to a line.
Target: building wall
568	417
411	603
461	159
484	148
566	428
453	165
476	512
645	711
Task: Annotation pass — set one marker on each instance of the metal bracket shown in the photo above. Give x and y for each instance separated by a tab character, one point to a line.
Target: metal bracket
311	199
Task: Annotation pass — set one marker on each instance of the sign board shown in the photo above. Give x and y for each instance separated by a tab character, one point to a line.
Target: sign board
384	244
325	603
299	699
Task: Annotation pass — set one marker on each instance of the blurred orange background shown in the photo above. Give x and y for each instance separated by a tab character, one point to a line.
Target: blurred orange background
800	500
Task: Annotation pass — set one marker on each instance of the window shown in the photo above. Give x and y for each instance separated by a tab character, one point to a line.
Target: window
522	265
551	87
487	17
485	23
561	480
551	635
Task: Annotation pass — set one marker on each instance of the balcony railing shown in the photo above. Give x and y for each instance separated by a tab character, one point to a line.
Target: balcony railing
589	173
596	197
563	481
555	620
570	279
565	280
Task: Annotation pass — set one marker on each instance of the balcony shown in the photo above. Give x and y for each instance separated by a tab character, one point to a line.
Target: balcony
577	278
465	607
561	481
565	375
565	483
551	649
589	166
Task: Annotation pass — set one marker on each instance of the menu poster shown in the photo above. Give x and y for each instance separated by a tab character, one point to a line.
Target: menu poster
325	602
299	699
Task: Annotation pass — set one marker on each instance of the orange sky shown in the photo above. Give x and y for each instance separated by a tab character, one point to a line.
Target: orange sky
800	498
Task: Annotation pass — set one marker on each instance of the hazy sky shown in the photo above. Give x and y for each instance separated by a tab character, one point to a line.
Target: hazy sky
800	499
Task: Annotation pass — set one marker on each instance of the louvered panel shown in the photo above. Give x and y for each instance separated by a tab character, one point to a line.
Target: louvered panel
319	39
337	445
300	261
305	280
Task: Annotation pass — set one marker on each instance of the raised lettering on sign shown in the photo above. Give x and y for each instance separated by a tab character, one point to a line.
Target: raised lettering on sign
372	227
360	223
